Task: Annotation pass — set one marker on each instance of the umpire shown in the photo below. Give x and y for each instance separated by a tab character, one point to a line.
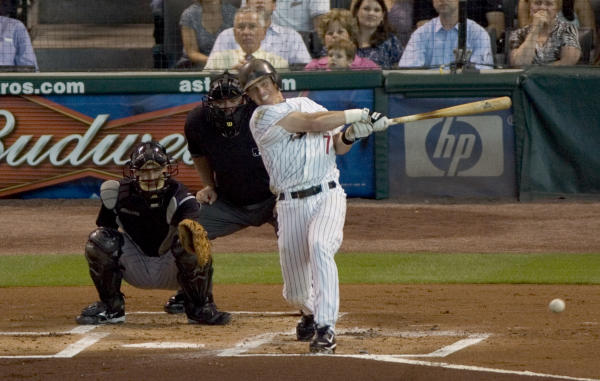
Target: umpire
236	190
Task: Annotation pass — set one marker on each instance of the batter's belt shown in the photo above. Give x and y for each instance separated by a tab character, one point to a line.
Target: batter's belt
307	192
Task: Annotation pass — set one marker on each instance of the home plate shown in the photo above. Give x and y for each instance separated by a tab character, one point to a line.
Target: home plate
164	345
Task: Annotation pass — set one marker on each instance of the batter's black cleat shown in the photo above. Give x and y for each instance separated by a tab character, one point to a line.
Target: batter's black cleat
324	342
208	315
98	313
175	304
305	330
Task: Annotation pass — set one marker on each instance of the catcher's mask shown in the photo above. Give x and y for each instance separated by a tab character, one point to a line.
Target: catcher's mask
149	167
225	102
255	70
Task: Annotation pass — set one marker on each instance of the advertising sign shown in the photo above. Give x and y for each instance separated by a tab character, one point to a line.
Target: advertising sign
467	156
64	146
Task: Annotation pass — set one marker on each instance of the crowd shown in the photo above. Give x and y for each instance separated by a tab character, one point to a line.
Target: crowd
379	34
383	34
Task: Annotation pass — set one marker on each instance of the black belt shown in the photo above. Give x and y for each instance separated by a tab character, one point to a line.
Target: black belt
308	191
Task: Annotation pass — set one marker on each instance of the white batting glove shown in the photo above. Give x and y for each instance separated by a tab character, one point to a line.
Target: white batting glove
356	115
380	122
358	130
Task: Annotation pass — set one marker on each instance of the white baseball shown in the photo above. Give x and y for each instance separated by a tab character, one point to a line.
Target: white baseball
557	305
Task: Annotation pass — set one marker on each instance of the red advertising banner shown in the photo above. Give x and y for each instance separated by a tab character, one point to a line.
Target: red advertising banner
43	143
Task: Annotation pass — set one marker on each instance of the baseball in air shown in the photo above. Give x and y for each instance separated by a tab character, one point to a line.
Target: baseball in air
557	305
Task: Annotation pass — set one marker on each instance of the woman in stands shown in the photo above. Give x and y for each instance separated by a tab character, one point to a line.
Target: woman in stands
375	39
200	24
546	40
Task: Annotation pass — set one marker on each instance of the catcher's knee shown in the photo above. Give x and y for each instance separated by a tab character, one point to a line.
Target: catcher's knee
103	245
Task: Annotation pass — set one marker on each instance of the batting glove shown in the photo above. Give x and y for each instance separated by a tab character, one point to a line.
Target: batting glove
356	115
358	130
379	121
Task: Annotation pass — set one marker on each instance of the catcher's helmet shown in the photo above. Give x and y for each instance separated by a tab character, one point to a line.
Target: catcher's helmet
149	167
227	120
256	69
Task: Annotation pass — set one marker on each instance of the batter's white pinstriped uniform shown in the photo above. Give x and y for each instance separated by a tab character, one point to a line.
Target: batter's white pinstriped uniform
310	228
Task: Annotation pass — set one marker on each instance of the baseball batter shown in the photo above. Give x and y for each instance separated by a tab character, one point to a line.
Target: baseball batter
298	140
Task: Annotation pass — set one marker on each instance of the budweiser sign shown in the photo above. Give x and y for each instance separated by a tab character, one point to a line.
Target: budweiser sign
43	143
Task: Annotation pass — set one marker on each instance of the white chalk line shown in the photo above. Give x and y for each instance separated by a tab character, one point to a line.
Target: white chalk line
239	349
165	345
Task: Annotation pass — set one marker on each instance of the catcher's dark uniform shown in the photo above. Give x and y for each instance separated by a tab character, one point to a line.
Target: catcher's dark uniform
145	229
242	183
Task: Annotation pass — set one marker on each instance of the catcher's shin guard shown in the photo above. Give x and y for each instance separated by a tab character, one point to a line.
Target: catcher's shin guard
102	252
196	284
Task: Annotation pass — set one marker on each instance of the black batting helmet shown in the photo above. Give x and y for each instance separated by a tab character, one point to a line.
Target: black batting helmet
227	120
149	166
224	86
256	69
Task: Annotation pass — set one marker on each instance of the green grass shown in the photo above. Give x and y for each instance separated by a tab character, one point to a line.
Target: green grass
71	270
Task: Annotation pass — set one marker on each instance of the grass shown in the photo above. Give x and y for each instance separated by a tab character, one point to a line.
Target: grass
354	268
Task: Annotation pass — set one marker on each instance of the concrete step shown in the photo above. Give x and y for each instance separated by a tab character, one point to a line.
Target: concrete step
93	35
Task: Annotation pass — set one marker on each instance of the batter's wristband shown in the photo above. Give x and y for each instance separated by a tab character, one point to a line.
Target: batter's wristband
353	115
345	140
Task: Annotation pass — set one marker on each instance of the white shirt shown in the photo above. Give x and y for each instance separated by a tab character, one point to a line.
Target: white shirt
279	40
293	161
226	59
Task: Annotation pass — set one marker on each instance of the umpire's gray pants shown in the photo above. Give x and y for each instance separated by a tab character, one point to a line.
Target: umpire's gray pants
147	272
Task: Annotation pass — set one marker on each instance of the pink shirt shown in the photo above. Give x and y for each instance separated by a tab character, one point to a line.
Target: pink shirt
359	63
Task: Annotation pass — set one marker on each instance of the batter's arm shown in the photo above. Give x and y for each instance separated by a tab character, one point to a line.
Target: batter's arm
320	121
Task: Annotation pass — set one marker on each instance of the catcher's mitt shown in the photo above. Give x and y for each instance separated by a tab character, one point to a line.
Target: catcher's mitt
194	240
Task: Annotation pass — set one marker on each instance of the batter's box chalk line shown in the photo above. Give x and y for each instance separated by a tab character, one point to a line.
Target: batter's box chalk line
90	338
239	351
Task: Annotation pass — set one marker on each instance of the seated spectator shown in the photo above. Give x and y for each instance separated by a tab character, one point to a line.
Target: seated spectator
335	25
577	12
249	28
433	44
279	40
341	54
547	40
302	16
375	39
15	44
200	24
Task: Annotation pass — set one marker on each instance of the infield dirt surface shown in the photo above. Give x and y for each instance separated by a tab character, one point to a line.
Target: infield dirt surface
514	335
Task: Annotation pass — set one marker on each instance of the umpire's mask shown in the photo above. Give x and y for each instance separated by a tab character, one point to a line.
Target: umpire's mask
226	104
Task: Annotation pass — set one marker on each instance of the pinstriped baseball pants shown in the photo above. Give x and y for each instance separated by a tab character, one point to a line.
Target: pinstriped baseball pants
311	231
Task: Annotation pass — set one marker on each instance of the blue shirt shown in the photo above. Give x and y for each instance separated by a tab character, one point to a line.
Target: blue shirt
432	46
15	44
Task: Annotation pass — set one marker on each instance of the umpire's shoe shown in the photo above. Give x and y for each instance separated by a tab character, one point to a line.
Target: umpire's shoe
324	342
305	330
176	303
208	315
99	313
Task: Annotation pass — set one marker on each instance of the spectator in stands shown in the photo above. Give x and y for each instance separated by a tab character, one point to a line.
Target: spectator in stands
406	14
375	39
547	40
433	44
302	16
577	12
279	40
200	24
9	8
335	25
341	54
15	45
249	30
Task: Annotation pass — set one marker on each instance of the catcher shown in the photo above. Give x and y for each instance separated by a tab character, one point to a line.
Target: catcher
148	235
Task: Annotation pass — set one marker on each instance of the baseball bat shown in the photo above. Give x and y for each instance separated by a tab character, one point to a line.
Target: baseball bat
494	104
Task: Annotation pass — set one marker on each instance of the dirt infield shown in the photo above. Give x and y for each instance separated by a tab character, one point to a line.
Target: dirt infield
387	332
